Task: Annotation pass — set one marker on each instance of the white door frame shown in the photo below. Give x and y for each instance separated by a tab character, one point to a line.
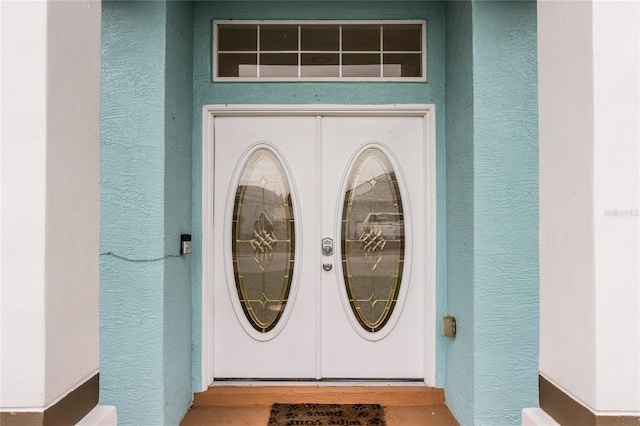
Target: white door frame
426	111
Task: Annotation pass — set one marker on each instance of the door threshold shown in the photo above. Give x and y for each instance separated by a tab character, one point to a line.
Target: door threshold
243	393
319	383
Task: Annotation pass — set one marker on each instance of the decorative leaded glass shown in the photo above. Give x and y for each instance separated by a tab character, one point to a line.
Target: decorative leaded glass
263	240
373	239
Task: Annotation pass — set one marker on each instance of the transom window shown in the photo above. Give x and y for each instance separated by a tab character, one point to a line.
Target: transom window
319	50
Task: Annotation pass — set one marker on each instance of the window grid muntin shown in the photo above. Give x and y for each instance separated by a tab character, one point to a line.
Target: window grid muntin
257	52
381	23
340	53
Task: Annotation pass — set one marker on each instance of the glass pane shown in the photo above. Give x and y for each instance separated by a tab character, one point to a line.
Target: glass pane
279	37
320	37
237	37
402	65
320	65
237	64
372	239
263	240
402	37
279	65
360	65
361	37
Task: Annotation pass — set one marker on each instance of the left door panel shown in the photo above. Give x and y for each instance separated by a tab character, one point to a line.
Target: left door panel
265	200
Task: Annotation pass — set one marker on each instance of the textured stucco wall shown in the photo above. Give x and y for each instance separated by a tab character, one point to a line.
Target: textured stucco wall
132	210
506	210
177	213
207	92
616	71
145	350
589	131
73	196
491	267
459	378
492	219
50	201
24	157
566	284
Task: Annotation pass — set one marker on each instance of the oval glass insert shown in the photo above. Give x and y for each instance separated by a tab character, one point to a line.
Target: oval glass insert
373	239
263	240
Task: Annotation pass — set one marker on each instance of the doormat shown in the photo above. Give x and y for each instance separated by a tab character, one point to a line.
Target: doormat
326	415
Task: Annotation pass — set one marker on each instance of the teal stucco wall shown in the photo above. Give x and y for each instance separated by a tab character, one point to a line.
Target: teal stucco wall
157	77
145	307
459	368
207	92
177	213
506	210
492	210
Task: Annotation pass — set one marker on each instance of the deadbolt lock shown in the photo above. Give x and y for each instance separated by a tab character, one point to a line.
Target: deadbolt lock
327	246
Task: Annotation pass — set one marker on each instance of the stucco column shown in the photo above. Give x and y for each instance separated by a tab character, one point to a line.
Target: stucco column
145	292
492	220
589	289
49	213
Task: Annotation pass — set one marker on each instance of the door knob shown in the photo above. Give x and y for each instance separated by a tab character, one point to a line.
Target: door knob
327	266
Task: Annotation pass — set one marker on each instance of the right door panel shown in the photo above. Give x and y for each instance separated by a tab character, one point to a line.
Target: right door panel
373	208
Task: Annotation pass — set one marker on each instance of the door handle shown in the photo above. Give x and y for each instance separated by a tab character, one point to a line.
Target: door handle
327	266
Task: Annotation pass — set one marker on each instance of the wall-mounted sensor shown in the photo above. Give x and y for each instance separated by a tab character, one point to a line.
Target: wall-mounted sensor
185	244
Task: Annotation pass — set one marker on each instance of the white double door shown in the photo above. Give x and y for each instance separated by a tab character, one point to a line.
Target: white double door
286	187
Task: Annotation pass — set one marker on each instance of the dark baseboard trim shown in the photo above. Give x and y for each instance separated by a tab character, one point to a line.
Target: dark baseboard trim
73	407
19	418
68	411
569	412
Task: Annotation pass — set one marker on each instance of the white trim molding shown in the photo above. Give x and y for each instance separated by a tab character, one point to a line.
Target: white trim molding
299	51
426	111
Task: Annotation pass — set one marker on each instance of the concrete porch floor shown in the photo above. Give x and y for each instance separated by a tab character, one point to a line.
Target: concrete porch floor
246	405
